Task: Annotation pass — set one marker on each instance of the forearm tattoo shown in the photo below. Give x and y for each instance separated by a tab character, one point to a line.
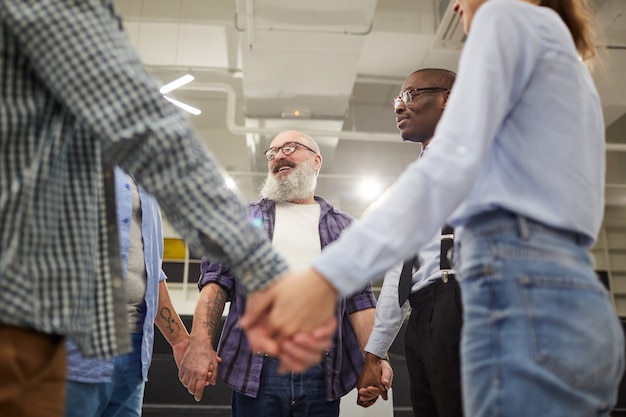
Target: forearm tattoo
172	325
215	307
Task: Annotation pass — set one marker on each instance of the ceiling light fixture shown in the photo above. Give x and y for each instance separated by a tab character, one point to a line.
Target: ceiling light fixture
179	82
193	110
296	114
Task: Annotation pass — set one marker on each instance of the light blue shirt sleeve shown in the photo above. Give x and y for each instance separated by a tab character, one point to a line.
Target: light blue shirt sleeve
152	233
495	146
389	316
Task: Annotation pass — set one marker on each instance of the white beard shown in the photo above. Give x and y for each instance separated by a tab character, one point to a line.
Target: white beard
299	184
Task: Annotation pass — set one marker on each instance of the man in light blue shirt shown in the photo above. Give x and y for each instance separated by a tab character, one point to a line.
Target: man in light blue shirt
434	328
115	387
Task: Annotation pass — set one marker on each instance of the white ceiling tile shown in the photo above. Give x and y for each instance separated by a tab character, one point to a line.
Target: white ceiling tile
203	46
393	54
157	43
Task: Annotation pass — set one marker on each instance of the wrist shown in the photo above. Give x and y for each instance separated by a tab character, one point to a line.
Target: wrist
200	338
371	356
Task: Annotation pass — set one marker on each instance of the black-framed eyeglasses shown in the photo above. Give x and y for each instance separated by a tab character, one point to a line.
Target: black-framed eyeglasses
409	94
287	148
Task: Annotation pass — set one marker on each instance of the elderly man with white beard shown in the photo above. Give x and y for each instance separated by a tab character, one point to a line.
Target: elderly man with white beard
300	225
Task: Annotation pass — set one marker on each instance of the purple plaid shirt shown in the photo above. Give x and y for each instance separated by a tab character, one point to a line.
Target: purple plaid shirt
240	368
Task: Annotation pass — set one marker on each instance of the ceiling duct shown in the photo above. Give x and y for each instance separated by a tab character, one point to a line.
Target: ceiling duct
301	56
450	33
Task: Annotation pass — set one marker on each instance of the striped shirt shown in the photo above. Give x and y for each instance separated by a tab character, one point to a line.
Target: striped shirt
75	100
523	131
240	368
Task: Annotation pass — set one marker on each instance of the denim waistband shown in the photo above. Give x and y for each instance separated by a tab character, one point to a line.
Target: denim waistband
524	225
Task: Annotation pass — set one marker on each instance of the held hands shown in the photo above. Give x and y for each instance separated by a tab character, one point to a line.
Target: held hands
375	380
198	367
293	319
303	350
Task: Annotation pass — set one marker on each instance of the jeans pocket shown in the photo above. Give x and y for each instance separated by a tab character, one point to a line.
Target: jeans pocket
574	331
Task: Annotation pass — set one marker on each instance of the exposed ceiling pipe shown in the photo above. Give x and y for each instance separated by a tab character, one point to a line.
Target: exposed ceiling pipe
250	23
616	147
236	73
236	129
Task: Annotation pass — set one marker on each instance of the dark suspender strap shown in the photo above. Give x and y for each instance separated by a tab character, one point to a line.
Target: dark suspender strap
406	279
447	242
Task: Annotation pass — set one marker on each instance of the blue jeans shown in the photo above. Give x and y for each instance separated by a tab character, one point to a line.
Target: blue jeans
540	336
287	395
121	397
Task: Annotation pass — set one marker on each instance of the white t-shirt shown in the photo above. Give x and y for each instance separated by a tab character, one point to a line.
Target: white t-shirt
296	233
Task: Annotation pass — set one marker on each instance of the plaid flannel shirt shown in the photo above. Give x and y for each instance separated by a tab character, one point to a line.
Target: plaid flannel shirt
74	100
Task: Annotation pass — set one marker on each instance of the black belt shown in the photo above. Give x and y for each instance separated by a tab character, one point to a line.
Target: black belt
433	291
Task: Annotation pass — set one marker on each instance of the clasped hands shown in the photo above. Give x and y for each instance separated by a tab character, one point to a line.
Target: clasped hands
375	380
294	320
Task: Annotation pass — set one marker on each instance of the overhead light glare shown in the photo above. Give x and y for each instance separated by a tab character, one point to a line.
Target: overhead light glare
230	183
179	82
190	109
370	188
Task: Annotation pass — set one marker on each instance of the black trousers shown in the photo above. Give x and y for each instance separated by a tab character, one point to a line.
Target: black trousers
432	350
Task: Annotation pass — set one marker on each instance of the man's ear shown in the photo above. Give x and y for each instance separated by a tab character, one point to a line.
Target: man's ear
318	163
445	99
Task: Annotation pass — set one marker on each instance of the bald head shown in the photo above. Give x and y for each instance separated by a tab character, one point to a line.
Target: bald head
295	136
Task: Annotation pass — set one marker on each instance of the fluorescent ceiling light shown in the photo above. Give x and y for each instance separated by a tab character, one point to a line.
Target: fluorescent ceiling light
177	83
193	110
173	86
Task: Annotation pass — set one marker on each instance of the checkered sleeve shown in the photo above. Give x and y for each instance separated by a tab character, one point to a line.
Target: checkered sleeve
85	60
